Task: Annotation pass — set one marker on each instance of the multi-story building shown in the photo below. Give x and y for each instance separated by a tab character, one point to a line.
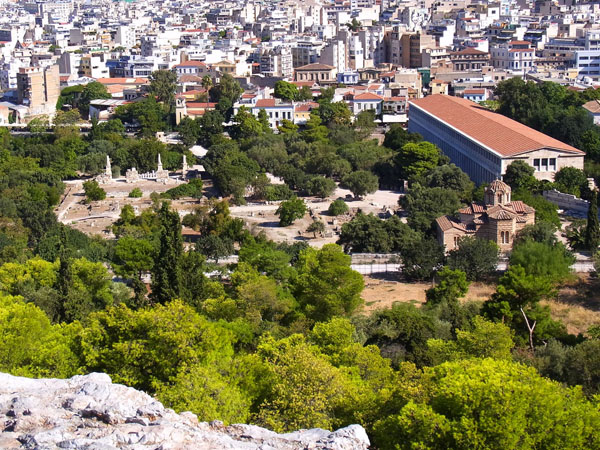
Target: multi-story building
483	143
515	56
469	59
93	66
38	88
320	73
305	52
276	62
276	110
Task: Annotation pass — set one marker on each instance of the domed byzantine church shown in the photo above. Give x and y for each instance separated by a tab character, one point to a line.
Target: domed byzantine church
497	219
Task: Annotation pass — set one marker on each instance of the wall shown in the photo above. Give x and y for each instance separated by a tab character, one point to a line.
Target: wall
567	201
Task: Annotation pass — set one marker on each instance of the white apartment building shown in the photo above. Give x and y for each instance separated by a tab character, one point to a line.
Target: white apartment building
125	36
588	61
515	56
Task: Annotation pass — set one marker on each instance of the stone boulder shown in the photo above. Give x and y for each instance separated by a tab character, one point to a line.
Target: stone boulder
89	412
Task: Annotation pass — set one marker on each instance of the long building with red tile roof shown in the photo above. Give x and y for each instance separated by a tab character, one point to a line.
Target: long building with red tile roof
483	143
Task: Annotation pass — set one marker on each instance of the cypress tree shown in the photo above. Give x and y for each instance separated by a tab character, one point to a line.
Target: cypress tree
166	274
592	230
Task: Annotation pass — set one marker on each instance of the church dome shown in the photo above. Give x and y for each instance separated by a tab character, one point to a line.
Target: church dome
497	193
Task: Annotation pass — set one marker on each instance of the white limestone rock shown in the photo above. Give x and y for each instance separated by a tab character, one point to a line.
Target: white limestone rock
89	412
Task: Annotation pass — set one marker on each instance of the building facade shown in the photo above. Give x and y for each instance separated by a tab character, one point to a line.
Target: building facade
483	143
38	88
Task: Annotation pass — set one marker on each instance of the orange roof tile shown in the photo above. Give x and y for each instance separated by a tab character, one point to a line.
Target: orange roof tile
265	103
502	135
191	64
367	96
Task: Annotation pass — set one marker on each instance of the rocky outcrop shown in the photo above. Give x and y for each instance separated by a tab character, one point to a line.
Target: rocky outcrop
89	412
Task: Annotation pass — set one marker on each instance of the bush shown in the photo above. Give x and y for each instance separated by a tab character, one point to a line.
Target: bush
337	207
135	193
191	189
93	191
275	192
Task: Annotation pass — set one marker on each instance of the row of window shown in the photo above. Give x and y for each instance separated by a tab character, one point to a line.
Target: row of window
283	115
544	164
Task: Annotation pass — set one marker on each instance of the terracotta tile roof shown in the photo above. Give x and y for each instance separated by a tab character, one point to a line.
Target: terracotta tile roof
446	222
196	105
500	213
478	208
265	103
315	66
122	80
304	83
191	64
504	136
474	91
592	106
469	51
520	207
367	96
519	42
188	78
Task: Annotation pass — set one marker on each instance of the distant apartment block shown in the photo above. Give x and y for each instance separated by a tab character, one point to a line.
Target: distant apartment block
38	88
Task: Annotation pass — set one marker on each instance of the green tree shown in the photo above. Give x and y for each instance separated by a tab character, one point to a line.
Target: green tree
287	127
246	125
354	25
451	177
417	159
397	137
369	234
326	285
207	82
452	285
304	94
208	391
225	93
571	180
151	346
336	113
32	346
315	227
421	259
361	183
92	91
290	210
285	91
544	261
544	232
299	374
132	258
478	258
424	205
93	191
166	273
514	406
189	131
163	84
519	175
592	229
337	207
320	186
